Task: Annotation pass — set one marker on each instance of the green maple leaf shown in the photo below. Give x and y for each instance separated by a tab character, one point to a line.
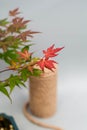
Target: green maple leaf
3	22
4	90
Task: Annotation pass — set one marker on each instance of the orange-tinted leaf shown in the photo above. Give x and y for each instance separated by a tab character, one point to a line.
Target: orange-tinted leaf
25	55
14	12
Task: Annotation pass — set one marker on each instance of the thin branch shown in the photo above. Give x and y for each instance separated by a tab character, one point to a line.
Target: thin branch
24	66
8	69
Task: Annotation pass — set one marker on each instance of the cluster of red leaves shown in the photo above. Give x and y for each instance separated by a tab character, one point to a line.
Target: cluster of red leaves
49	53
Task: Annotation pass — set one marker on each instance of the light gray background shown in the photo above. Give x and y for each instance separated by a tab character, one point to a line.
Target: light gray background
63	22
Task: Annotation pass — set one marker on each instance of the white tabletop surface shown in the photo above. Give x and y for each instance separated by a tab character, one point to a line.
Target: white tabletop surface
71	105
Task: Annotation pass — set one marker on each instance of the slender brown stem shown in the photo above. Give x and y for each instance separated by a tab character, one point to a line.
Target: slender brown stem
1	71
25	66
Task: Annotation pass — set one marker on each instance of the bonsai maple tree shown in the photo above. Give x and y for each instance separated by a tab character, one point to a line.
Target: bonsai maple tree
15	51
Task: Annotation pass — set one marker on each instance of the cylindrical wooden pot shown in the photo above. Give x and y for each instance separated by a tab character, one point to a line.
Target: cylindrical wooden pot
43	94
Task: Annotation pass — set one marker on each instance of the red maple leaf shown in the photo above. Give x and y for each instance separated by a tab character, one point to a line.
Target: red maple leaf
51	51
46	63
14	12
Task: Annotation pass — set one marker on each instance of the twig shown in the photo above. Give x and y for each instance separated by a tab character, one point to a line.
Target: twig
1	71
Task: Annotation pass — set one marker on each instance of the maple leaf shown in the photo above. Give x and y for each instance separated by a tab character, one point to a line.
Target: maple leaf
46	63
19	22
26	34
25	55
51	51
14	12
